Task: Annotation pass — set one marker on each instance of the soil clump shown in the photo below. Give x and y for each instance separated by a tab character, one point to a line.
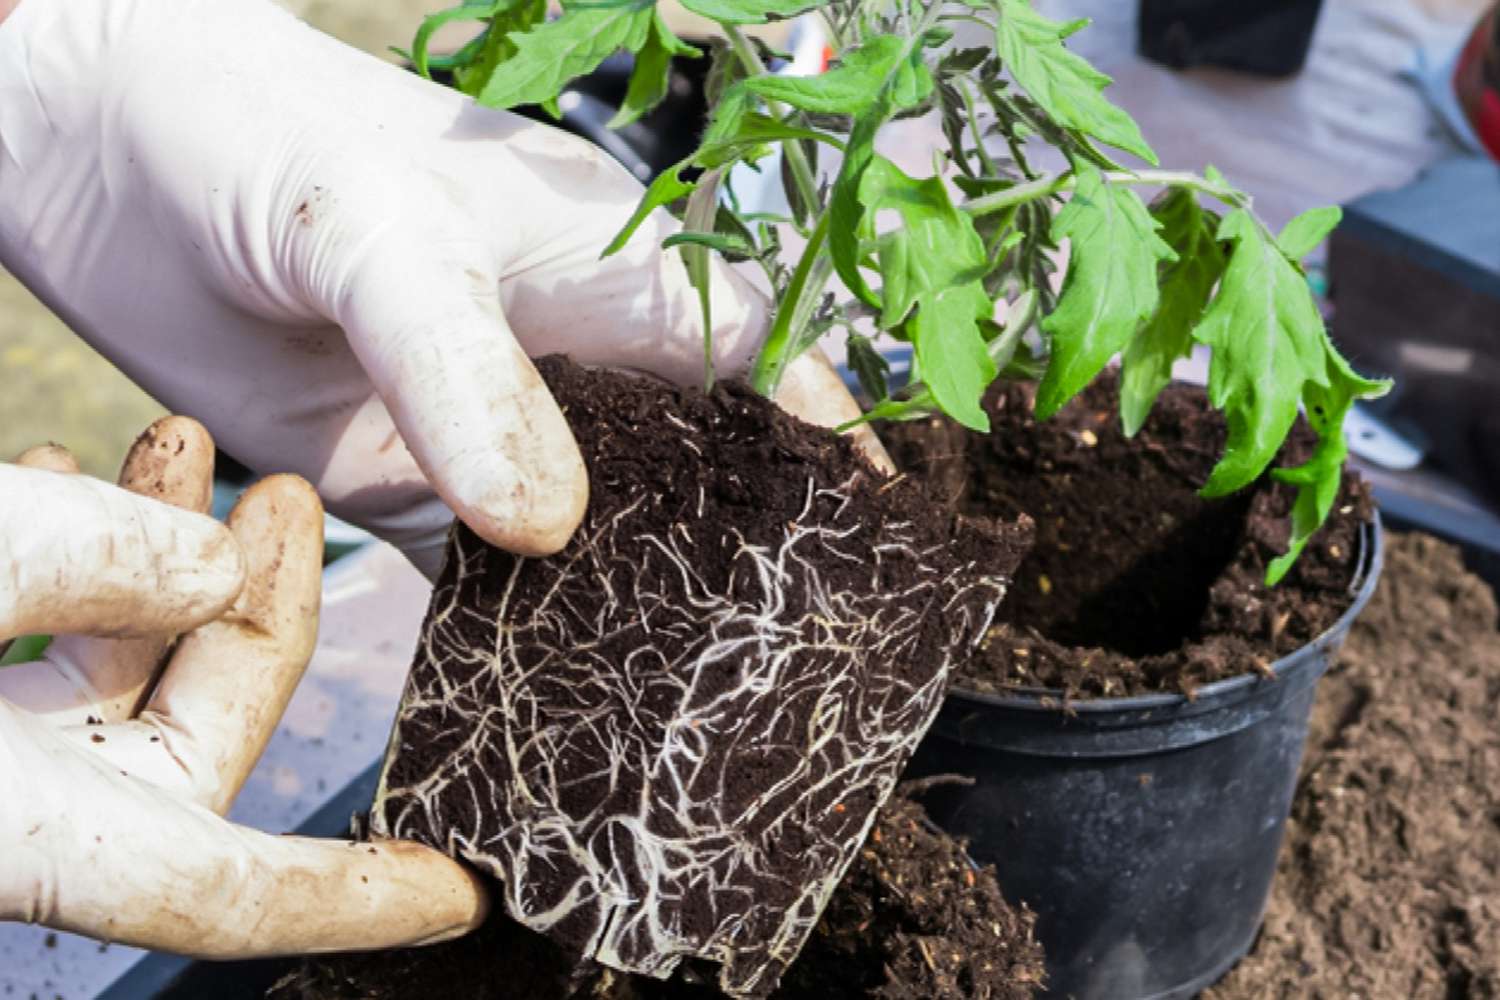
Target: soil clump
913	920
1135	584
669	740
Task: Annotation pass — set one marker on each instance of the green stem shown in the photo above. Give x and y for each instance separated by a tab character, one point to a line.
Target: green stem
1050	184
780	346
984	154
802	174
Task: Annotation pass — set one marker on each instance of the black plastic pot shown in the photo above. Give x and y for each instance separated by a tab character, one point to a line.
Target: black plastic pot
1143	831
1264	38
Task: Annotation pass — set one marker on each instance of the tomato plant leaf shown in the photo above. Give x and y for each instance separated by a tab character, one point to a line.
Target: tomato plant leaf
1268	342
728	244
846	215
495	46
1307	230
883	63
743	12
652	71
870	366
1318	479
734	133
1063	83
469	10
664	190
906	82
932	263
1186	284
552	53
1110	287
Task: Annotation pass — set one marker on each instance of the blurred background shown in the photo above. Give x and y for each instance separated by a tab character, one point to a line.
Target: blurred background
1349	118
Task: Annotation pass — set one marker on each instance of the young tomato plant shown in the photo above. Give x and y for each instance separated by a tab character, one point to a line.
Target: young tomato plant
979	237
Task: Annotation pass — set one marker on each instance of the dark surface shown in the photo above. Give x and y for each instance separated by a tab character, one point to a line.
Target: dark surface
1415	280
1264	37
913	920
1143	831
1136	583
732	660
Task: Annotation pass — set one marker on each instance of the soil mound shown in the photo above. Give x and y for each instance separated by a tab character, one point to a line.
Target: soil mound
1135	583
1389	880
913	920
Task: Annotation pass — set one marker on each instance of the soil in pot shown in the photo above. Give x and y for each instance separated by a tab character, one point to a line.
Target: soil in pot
669	741
914	919
1135	583
1389	880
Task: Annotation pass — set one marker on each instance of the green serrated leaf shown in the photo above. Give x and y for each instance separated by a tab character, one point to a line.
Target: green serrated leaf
664	190
1186	284
916	407
1062	82
23	649
1110	287
1268	342
846	216
1307	230
494	45
869	365
884	66
932	264
733	134
431	23
744	12
549	55
1317	480
652	72
845	212
724	243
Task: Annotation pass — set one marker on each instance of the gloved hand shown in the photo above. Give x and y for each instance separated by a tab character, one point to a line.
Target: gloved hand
338	266
114	783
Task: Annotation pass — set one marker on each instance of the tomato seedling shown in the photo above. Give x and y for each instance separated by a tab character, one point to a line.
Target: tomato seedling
977	239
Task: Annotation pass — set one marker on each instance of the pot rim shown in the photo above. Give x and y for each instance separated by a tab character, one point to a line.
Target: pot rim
1052	700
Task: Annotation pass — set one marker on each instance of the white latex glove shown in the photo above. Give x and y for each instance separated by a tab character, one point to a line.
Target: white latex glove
114	788
337	266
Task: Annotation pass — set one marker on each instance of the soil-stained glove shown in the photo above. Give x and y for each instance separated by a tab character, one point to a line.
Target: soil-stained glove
114	786
338	266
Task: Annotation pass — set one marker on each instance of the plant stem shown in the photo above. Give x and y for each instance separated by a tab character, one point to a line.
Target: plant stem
1050	184
780	345
802	175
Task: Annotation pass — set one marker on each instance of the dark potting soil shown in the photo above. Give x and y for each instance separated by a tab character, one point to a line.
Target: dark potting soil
912	920
1135	583
1389	878
670	739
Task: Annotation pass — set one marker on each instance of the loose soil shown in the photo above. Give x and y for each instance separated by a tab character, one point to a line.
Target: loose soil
669	740
1135	584
913	920
1389	880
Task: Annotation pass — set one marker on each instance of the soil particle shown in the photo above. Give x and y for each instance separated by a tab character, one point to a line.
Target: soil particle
1135	583
1389	880
913	920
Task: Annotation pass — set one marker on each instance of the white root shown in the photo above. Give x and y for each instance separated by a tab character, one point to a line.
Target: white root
536	728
